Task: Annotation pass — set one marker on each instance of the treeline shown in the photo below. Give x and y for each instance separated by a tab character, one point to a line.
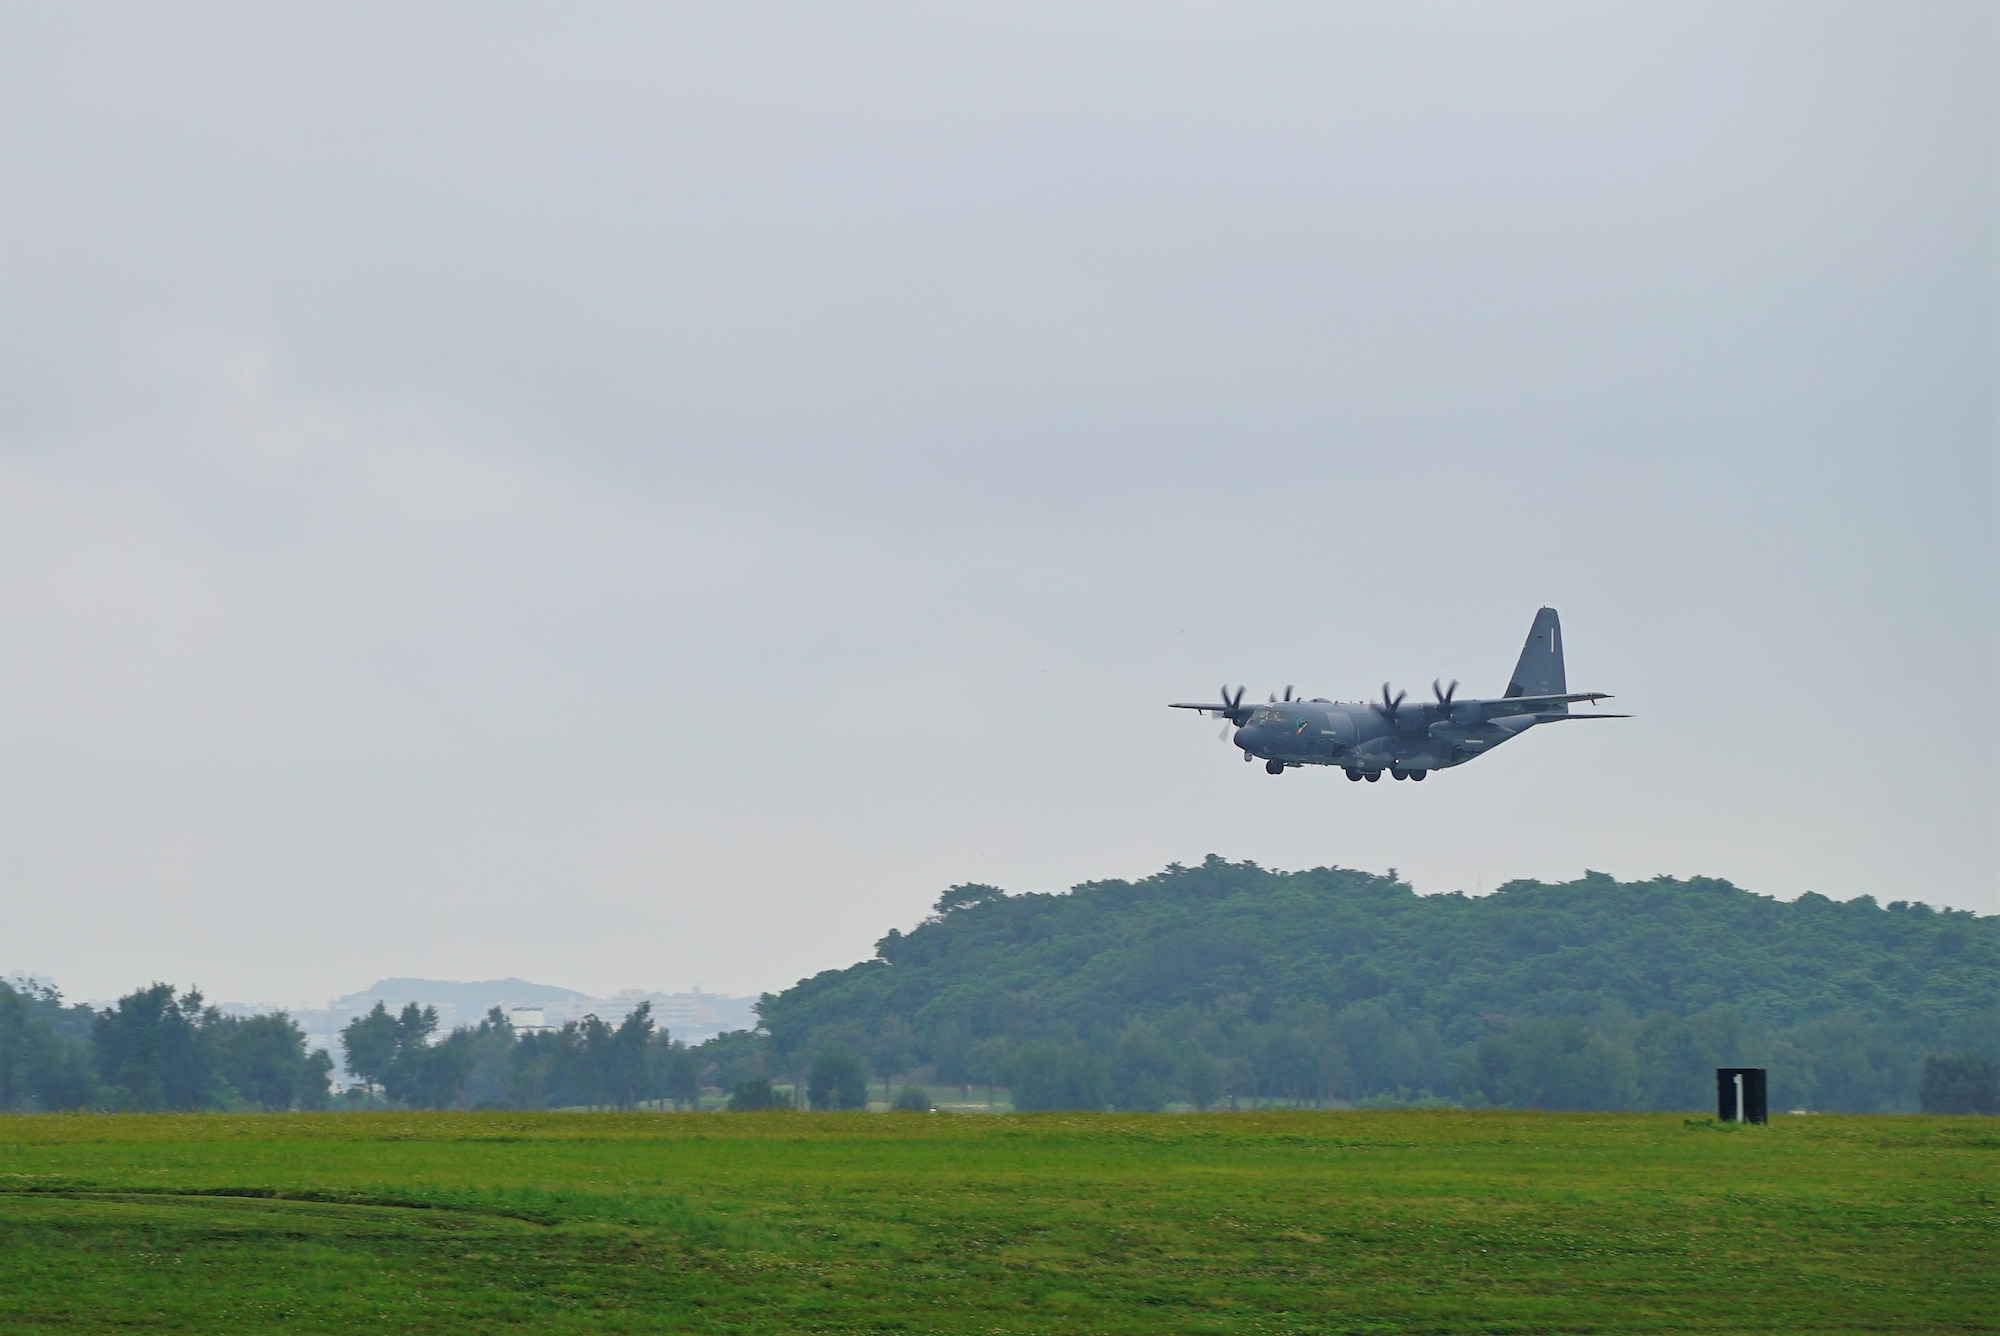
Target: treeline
161	1050
156	1049
1227	984
582	1064
1223	985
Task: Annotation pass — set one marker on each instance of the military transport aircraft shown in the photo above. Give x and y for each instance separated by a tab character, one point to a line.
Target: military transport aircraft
1365	738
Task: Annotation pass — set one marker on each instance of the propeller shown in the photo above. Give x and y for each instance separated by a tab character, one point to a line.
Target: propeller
1232	712
1444	694
1272	698
1387	709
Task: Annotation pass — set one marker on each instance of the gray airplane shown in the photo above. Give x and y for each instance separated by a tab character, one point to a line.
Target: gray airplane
1364	738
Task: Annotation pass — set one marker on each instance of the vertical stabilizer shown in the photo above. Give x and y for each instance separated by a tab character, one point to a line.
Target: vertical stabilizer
1540	671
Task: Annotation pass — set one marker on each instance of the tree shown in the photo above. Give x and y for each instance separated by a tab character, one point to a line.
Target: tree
1201	1076
1855	1063
414	1028
836	1081
626	1071
489	1080
966	896
369	1043
582	1069
1676	1057
1143	1068
1961	1083
396	1053
155	1052
731	1058
316	1087
1046	1074
433	1076
264	1060
678	1072
1553	1064
532	1070
41	1067
1379	1053
951	1049
890	1051
989	1063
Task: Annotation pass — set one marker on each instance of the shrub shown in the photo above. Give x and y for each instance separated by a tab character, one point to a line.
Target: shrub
836	1081
756	1095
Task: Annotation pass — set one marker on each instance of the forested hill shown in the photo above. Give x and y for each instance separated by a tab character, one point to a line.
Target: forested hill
1502	997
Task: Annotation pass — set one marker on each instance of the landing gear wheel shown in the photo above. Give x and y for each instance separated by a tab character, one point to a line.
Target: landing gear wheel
1373	776
1398	774
1418	775
1274	767
1354	775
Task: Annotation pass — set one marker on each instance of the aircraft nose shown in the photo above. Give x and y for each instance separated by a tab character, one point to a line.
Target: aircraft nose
1246	737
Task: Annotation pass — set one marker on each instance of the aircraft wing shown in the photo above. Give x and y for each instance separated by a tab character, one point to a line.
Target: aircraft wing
1506	705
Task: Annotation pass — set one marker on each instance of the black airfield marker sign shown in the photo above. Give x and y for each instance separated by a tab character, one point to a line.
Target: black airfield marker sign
1739	1095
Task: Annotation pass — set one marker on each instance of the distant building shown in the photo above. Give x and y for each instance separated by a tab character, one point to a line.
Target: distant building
622	1004
688	1017
680	1012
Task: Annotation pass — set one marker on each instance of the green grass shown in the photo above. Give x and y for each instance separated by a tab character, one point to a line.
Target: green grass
1269	1222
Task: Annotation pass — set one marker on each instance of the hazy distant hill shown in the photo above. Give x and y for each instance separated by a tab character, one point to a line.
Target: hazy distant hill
1332	983
471	1000
691	1016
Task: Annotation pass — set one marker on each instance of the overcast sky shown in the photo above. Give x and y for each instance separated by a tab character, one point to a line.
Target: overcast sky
645	495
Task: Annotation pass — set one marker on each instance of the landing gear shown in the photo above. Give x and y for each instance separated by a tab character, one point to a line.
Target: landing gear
1373	776
1274	767
1398	774
1418	775
1354	775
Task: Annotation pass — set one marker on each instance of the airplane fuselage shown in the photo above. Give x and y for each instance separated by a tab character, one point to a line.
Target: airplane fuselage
1360	736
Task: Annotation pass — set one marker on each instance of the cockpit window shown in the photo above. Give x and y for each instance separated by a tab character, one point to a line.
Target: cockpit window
1268	716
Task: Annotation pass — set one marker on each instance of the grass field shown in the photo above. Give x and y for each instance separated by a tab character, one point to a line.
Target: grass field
1272	1222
